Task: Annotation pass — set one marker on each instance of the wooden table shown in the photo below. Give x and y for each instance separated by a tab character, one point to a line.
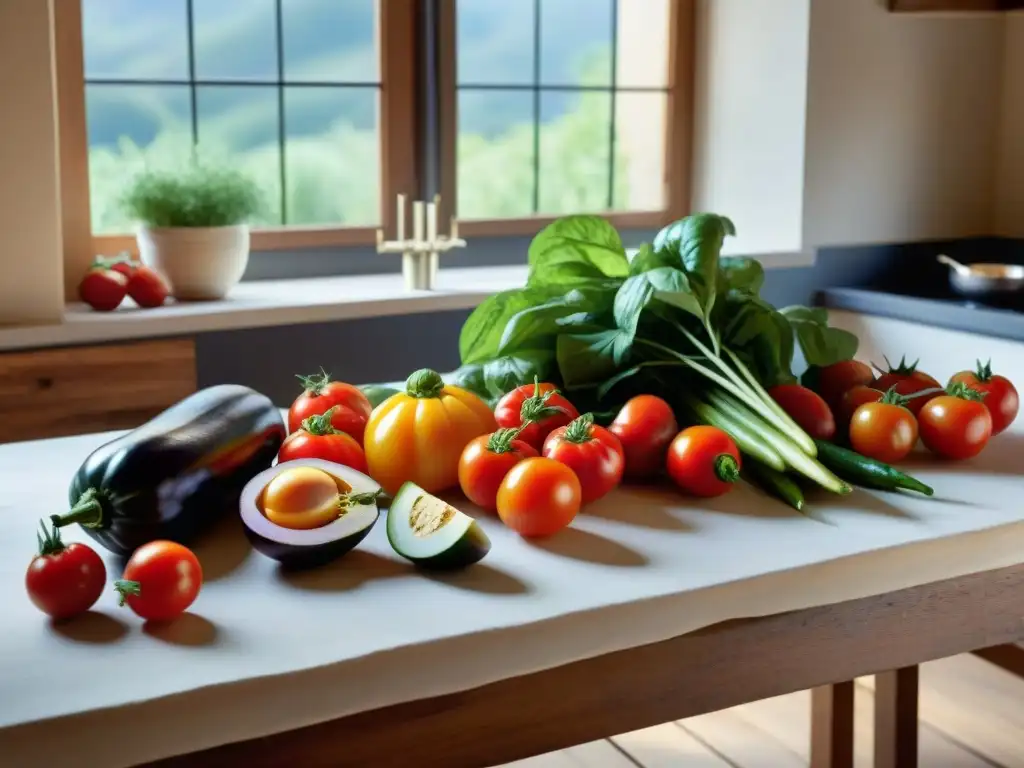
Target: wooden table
714	668
652	607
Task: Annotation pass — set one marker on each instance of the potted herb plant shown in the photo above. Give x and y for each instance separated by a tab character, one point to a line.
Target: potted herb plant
193	227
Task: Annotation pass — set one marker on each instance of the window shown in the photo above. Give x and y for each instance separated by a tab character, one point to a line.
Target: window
542	107
296	93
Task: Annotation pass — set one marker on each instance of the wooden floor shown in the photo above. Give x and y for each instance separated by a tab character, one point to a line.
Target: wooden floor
972	717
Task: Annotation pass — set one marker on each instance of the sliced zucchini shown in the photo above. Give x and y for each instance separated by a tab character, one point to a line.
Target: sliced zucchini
432	533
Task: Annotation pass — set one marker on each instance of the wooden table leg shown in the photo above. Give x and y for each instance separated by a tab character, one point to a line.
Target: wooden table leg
832	726
896	718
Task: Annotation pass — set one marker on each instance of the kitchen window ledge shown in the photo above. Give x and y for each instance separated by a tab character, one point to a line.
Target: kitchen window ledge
263	303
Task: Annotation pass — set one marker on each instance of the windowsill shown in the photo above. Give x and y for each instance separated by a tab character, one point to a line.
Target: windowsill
263	303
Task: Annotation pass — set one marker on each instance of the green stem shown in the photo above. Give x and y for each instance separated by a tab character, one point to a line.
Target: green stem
49	541
536	407
424	384
87	512
124	588
578	430
501	440
320	424
749	442
726	468
315	383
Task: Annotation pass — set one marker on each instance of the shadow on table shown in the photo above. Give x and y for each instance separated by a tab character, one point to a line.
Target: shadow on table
643	506
860	500
588	547
482	578
1004	455
189	630
91	627
223	548
349	572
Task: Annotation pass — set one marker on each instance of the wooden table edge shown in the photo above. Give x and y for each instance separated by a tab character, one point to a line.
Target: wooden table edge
714	668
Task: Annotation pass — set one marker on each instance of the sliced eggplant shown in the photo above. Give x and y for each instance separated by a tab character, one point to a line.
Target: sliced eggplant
306	547
432	533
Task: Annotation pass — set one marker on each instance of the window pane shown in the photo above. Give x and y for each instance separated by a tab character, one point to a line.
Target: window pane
330	40
332	155
495	42
495	154
640	151
238	126
235	39
576	42
643	26
575	139
136	39
129	127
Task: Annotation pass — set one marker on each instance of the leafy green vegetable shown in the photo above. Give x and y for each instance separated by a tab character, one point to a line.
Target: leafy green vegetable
820	344
740	273
576	248
646	258
578	310
480	338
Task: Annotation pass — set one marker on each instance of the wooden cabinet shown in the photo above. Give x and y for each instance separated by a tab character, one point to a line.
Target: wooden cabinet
76	390
955	5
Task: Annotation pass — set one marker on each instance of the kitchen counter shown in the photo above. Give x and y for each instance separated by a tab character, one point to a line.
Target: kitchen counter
937	309
263	303
263	651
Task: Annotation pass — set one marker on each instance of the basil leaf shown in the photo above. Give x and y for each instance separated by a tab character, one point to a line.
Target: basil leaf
579	310
696	242
647	258
503	374
740	272
590	358
821	345
575	248
480	338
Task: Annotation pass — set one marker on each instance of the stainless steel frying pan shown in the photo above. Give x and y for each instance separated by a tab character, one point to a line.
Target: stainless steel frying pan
984	280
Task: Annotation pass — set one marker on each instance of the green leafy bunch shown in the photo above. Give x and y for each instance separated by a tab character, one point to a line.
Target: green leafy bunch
606	327
198	196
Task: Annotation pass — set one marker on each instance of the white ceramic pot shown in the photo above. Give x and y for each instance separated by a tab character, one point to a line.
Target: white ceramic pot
199	263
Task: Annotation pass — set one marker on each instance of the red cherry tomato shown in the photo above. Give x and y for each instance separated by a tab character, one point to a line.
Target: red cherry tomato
956	425
321	394
853	399
833	381
592	452
146	287
539	497
704	461
161	580
64	580
544	407
318	439
103	289
908	381
1000	395
807	409
123	263
645	426
885	430
484	463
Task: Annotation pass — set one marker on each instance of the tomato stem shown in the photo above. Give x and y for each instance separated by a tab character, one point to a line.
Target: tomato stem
49	540
87	512
315	383
124	588
501	440
578	430
424	383
984	372
321	424
536	408
899	370
726	468
963	392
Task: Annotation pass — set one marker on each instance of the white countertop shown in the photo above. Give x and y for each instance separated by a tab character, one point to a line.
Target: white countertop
263	652
261	303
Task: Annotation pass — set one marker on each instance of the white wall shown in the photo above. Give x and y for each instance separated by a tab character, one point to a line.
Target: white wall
1009	213
832	122
31	272
901	123
750	115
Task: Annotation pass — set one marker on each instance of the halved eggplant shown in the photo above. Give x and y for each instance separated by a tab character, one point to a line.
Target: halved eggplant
432	533
310	547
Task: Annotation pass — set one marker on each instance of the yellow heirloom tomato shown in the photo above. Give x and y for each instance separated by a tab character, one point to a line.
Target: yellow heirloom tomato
419	434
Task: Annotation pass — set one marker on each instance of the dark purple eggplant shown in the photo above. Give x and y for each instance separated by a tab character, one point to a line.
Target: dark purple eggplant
178	473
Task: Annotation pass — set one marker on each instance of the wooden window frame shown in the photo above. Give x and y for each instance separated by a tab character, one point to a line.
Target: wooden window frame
398	23
678	131
966	6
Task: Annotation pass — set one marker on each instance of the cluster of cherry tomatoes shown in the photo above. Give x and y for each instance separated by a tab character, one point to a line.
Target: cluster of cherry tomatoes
107	282
546	460
883	414
160	580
